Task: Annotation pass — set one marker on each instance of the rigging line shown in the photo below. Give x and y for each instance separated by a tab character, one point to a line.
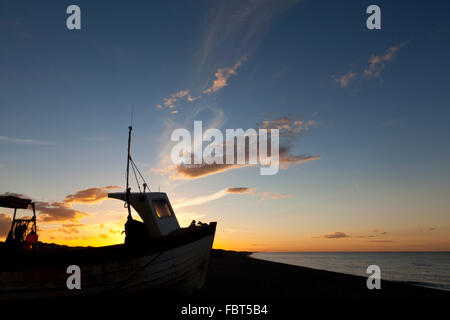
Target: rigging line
143	179
145	185
135	175
138	171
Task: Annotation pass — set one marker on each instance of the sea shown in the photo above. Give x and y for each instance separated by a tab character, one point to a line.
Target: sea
427	269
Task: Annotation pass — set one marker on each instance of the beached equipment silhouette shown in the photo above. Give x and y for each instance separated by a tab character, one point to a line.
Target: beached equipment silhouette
17	238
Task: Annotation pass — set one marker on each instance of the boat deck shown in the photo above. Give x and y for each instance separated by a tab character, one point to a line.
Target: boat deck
50	255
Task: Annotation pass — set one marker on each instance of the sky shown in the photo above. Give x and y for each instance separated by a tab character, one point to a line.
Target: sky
363	118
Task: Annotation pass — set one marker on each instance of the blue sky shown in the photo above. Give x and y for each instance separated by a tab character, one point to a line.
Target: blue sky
382	139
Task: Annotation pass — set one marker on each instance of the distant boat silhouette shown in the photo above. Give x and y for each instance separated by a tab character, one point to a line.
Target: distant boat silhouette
157	257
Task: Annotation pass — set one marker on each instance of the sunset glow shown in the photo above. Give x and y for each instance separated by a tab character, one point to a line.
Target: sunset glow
362	117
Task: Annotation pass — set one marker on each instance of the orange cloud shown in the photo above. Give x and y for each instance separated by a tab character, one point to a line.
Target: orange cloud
240	190
222	76
222	193
5	224
169	102
63	211
221	80
378	63
263	195
288	127
90	195
201	199
273	196
54	211
336	235
174	97
344	80
57	211
195	171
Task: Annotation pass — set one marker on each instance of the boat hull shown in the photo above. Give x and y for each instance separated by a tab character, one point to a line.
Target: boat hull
178	264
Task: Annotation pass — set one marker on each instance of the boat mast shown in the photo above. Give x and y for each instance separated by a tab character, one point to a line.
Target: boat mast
133	166
128	173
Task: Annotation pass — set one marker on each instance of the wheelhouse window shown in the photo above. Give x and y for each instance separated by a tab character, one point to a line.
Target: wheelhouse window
162	209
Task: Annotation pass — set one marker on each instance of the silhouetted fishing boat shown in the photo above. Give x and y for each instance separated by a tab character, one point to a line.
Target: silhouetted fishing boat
157	257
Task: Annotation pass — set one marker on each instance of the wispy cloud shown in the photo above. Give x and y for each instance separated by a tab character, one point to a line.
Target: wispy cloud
344	80
174	97
169	102
239	25
262	195
336	235
195	171
222	193
25	141
89	195
221	81
240	190
222	76
201	199
57	211
378	62
63	211
290	128
375	233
